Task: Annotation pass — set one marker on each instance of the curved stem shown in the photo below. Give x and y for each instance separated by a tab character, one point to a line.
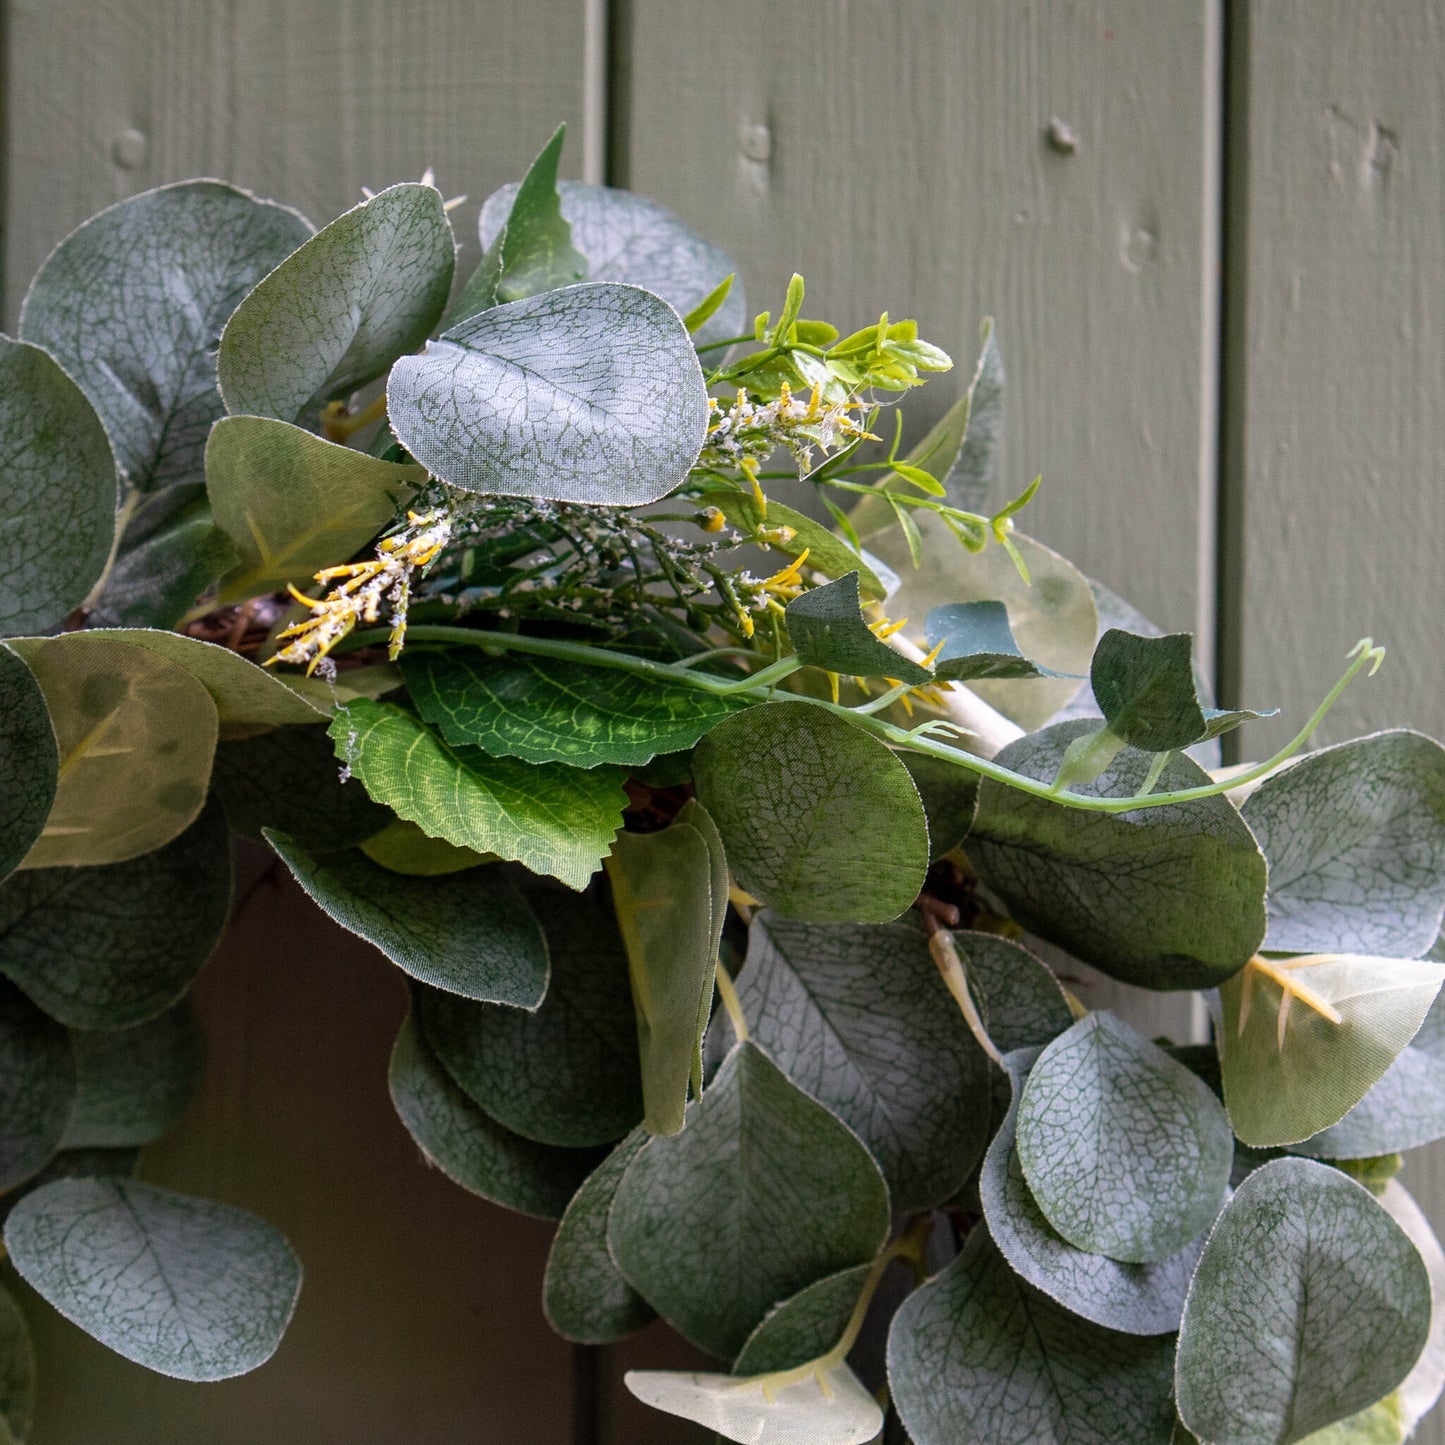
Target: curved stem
728	993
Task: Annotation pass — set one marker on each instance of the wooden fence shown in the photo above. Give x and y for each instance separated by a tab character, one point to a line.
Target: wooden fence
1213	235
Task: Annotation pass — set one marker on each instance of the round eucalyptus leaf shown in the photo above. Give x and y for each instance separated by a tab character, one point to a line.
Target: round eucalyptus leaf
17	1370
37	1087
949	794
1309	1304
803	1326
1021	1003
74	1164
29	761
187	1287
590	393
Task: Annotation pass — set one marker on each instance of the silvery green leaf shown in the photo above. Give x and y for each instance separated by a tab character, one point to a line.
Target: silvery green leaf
469	1146
565	1073
1126	1151
703	1224
104	948
133	1083
859	1017
1136	1299
57	514
1018	998
631	239
978	643
37	1087
28	761
74	1164
827	629
976	1354
1309	1304
187	1287
588	394
1355	837
794	791
342	307
1290	1069
804	1326
1170	897
17	1371
468	933
132	304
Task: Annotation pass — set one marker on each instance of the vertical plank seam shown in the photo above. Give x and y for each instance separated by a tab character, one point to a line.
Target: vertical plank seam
617	161
595	61
7	93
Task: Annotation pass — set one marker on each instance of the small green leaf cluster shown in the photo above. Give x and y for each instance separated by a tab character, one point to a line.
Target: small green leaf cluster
737	911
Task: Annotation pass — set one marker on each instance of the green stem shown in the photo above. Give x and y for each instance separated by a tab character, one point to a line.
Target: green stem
727	992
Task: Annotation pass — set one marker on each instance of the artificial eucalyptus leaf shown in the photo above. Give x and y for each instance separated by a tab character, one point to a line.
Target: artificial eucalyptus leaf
17	1371
341	308
469	1146
949	795
470	934
565	1073
1302	1040
1018	999
135	735
543	710
705	1224
108	947
1127	1152
976	1354
827	629
402	847
584	1295
74	1164
977	643
1135	1299
859	1017
57	514
132	305
187	1287
133	1083
29	761
1309	1304
37	1087
1168	897
588	394
796	791
293	503
804	1326
1355	837
552	818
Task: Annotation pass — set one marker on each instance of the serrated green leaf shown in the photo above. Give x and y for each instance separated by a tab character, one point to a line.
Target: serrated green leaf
1355	837
29	761
1287	1080
542	710
187	1287
977	1354
342	307
17	1371
977	643
1170	897
588	394
554	819
469	1146
827	630
1126	1151
1309	1304
705	1224
104	948
293	503
132	302
57	515
794	791
37	1087
402	847
1018	998
469	934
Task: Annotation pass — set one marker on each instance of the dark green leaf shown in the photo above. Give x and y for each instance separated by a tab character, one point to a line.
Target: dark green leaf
949	794
28	761
804	1326
827	630
1145	688
403	848
1018	999
37	1087
17	1372
977	643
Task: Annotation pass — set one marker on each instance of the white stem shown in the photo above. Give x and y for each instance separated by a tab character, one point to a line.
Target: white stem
990	731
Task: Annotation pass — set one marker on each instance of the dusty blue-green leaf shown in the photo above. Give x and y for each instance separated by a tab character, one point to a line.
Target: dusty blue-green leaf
827	630
187	1287
796	792
73	1164
1136	1299
542	710
566	1073
588	394
29	761
979	1355
1018	998
37	1087
552	818
133	1083
132	305
631	239
104	948
803	1326
1167	897
1289	1068
859	1017
1355	837
978	643
705	1224
17	1370
1126	1151
469	1146
293	503
949	795
585	1297
1309	1304
341	308
466	933
1144	686
57	514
